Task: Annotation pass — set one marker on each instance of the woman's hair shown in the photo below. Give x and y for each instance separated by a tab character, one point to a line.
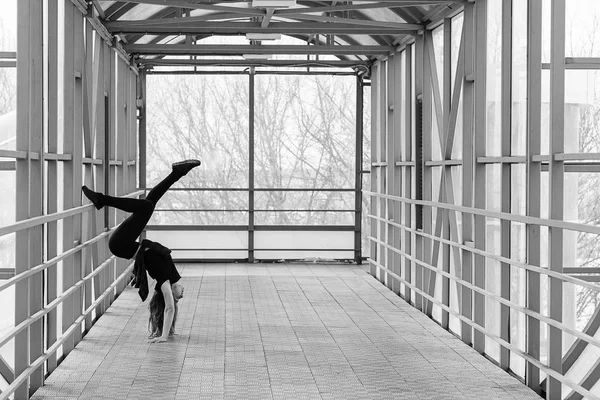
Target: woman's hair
157	314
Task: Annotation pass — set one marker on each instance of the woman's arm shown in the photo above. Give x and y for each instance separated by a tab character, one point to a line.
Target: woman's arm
169	312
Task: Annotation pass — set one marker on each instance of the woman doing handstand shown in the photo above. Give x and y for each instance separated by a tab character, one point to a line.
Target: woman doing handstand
150	256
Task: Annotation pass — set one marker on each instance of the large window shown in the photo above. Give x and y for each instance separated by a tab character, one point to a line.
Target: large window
301	153
8	114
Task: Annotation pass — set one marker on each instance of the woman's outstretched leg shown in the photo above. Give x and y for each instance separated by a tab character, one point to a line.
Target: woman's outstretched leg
122	242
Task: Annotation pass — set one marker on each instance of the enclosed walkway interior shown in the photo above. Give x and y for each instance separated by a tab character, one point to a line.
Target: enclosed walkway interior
397	198
282	331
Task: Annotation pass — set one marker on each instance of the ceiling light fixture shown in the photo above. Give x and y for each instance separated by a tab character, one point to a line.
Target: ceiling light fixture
263	36
273	3
257	56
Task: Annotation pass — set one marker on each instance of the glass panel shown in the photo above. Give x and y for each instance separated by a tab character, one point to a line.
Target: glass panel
8	76
438	51
494	77
204	208
203	117
7	322
455	253
519	79
326	206
582	32
546	8
492	267
8	26
366	165
518	189
303	240
457	26
582	111
303	218
518	287
305	131
382	14
544	238
205	240
545	124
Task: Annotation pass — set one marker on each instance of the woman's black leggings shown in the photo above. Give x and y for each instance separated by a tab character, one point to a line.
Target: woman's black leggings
123	242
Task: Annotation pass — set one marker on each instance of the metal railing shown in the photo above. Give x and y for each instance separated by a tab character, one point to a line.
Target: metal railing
423	289
107	293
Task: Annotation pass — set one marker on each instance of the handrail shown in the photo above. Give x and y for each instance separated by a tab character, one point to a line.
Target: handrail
551	223
493	296
491	335
42	219
22	378
514	263
51	306
53	261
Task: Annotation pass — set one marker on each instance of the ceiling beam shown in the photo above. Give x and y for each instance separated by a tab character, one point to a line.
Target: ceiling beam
267	18
394	25
198	6
241	28
232	50
351	7
272	63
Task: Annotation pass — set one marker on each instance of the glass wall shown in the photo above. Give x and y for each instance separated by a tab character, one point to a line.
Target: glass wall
301	154
8	114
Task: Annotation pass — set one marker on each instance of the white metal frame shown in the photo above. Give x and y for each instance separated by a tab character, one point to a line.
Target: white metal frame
440	236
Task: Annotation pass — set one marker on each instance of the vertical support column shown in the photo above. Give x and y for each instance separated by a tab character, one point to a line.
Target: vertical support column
99	151
375	88
29	292
111	181
418	99
408	170
96	100
390	237
447	174
381	158
251	78
505	191
133	134
52	204
90	253
555	245
358	198
479	189
142	121
122	133
22	247
534	112
426	156
466	294
395	181
36	235
68	105
78	36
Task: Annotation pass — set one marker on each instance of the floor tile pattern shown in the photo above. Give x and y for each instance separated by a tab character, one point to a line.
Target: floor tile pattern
278	331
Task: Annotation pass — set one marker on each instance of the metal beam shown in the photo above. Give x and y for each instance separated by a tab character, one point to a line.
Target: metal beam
556	191
224	50
272	63
533	173
480	171
164	27
506	178
466	294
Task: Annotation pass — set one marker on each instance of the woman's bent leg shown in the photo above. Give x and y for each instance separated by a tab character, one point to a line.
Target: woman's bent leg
122	242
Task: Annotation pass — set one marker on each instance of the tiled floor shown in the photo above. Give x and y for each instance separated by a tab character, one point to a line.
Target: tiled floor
282	331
